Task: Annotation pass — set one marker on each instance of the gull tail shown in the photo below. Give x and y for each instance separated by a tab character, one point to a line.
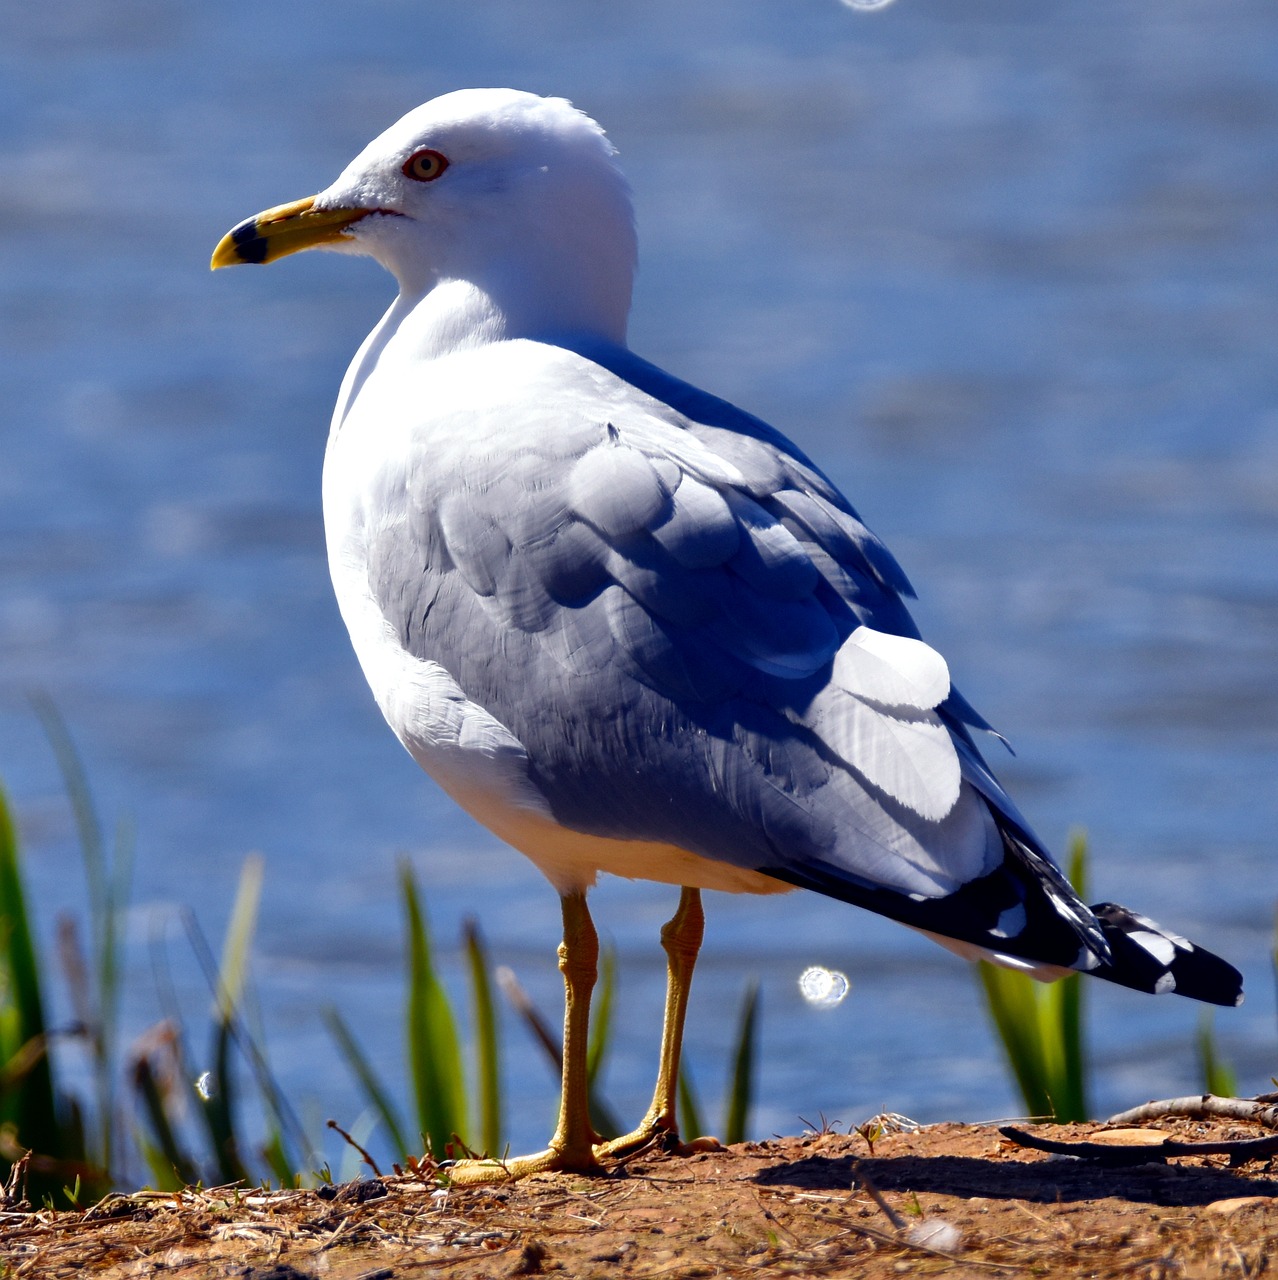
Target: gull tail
1147	957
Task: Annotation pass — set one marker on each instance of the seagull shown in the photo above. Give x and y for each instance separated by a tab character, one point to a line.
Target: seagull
629	627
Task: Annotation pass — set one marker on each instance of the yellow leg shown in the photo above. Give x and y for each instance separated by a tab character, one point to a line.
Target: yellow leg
572	1147
681	938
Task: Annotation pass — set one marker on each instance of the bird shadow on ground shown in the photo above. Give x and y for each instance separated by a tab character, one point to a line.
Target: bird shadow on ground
1054	1181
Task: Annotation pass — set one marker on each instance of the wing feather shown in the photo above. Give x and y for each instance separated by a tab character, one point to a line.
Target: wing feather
616	490
909	756
896	671
702	530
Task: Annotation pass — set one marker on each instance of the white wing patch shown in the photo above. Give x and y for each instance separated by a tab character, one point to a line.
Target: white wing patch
876	714
1162	949
1183	943
894	671
908	755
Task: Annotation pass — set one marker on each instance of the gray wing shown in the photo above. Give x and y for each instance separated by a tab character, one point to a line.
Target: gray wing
698	642
693	636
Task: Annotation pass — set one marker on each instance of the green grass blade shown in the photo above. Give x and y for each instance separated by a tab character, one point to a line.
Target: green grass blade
487	1043
1076	864
1075	1104
233	995
76	782
1216	1074
15	1069
1064	1000
602	1117
217	1101
108	882
218	1108
1075	1062
229	985
231	977
601	1014
162	1176
118	889
434	1055
1013	1008
27	1101
374	1092
1041	1028
690	1122
278	1161
237	945
741	1090
169	1163
98	880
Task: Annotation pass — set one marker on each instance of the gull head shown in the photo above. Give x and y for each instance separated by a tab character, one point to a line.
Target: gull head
497	193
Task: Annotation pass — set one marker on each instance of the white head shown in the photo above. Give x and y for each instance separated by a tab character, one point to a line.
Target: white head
513	197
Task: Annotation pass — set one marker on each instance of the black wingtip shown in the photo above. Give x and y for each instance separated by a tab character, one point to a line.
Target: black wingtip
1147	957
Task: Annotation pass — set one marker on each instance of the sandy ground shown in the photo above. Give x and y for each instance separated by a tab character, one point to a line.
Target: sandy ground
966	1203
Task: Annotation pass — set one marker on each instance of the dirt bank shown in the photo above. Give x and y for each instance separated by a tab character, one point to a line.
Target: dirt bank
967	1203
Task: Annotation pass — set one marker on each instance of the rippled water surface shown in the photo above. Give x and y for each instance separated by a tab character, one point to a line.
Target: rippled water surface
1006	270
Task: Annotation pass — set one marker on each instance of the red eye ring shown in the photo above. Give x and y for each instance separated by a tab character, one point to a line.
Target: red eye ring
425	166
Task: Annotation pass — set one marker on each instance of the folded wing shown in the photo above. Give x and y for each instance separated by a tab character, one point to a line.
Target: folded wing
698	642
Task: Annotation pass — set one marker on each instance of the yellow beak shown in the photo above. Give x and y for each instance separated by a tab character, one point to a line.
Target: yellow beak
286	229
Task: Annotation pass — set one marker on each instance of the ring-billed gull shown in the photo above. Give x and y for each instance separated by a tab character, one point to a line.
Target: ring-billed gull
626	625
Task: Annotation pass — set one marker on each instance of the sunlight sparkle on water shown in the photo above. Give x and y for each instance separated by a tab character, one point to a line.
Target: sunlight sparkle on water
823	987
866	4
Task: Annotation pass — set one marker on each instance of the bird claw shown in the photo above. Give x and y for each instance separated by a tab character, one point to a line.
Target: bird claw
476	1173
654	1134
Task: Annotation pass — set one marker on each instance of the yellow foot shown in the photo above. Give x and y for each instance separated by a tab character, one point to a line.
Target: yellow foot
656	1132
471	1173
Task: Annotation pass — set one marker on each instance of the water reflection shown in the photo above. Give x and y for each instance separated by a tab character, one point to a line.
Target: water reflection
823	988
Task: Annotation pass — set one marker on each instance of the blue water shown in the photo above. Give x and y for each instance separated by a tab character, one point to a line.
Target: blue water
1006	270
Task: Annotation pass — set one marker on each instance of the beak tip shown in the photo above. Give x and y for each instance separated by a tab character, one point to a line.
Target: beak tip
225	255
243	243
281	231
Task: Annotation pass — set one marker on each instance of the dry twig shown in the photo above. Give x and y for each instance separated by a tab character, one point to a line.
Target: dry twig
368	1160
1262	1110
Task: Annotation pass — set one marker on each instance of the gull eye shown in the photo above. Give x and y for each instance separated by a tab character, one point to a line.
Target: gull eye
425	166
